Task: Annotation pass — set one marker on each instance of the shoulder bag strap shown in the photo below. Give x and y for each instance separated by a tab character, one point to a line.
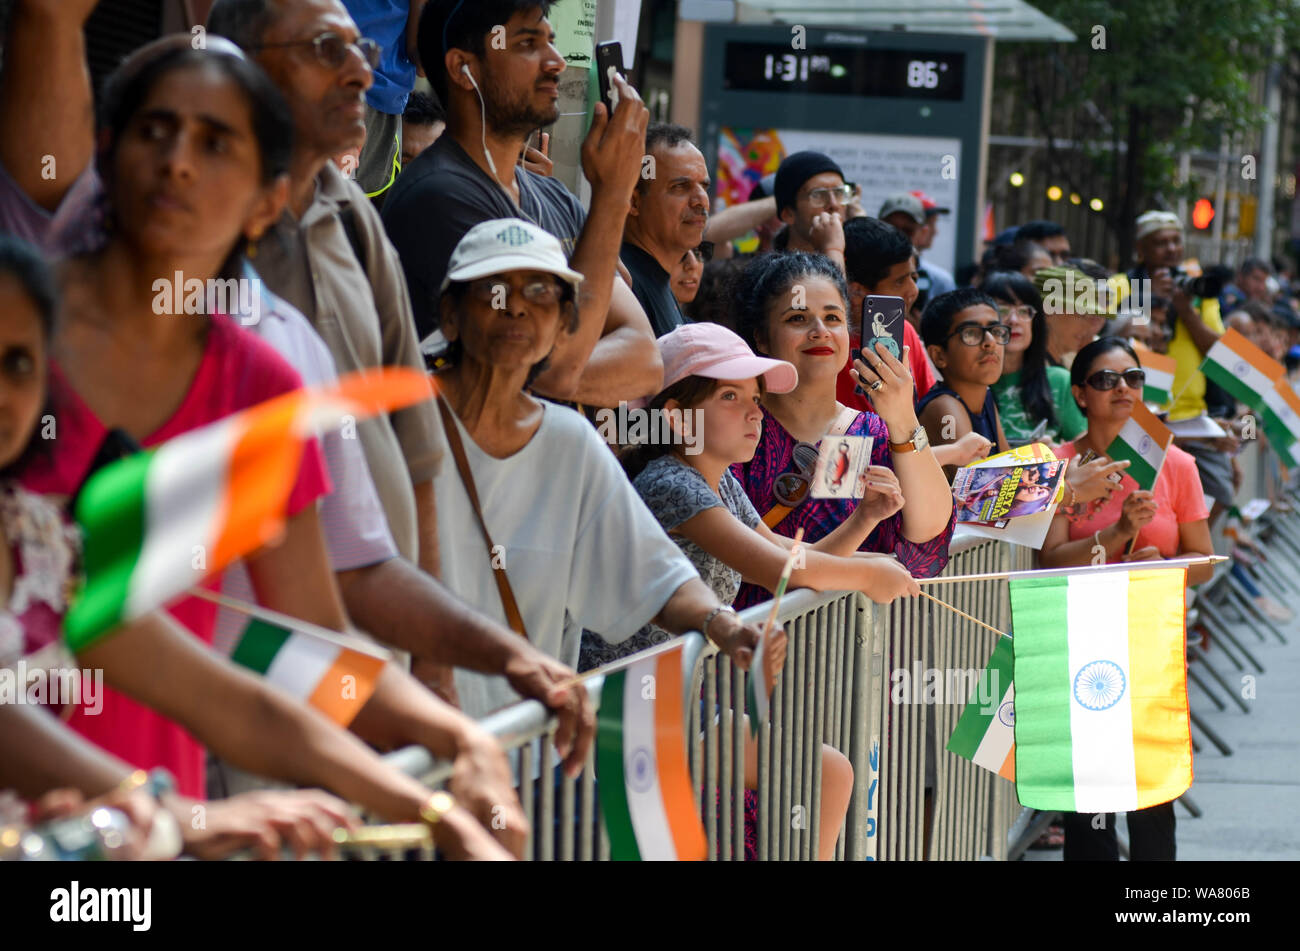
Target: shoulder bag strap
513	617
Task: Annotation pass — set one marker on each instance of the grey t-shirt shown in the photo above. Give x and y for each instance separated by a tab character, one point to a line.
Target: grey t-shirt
675	493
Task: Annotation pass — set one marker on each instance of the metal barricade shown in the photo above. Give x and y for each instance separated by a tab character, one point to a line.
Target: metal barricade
834	691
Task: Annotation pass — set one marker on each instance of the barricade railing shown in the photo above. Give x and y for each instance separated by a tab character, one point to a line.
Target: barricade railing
911	799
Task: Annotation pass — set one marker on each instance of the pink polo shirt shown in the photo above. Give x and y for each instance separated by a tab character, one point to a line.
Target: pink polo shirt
237	371
1179	498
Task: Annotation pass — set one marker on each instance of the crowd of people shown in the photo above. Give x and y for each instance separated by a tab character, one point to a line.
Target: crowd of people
489	534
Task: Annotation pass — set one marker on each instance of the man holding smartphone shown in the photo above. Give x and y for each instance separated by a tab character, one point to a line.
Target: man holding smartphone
494	66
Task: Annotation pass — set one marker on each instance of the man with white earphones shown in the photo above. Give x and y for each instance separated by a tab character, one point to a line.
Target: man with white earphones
494	66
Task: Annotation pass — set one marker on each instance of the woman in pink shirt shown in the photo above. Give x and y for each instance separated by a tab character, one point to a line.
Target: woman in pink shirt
1166	522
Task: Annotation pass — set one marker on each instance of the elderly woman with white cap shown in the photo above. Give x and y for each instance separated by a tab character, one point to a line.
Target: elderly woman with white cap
538	524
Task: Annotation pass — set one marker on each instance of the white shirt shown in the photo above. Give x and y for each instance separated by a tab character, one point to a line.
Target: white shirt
578	545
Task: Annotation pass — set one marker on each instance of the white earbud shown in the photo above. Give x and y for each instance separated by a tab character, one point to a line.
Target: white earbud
464	68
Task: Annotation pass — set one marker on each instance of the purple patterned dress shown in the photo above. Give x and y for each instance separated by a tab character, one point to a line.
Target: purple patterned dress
819	517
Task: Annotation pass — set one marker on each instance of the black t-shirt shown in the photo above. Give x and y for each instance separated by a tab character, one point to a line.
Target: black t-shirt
441	195
650	284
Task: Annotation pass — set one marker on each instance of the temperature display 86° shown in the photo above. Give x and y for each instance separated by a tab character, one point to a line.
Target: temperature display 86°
840	71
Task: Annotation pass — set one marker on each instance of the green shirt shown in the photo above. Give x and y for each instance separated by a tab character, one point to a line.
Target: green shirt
1016	422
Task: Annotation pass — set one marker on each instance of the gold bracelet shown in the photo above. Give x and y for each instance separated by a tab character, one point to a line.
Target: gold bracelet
437	806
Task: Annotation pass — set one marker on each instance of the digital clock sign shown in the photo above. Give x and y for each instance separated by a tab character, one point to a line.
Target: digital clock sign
845	71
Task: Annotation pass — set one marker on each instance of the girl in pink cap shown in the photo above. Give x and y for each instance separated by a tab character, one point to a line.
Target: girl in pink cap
713	384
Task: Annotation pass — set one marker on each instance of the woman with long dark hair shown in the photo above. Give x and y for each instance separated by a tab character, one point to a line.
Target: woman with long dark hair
1033	395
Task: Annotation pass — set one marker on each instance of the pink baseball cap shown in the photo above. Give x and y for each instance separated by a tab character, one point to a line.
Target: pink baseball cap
713	351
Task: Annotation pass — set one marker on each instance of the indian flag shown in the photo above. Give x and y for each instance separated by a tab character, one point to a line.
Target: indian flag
645	788
1242	369
158	522
1144	441
1281	411
1159	386
985	734
322	672
1101	720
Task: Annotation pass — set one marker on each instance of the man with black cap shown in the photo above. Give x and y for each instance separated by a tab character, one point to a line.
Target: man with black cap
906	213
812	199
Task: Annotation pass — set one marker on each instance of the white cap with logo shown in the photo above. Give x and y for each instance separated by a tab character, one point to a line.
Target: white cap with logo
508	244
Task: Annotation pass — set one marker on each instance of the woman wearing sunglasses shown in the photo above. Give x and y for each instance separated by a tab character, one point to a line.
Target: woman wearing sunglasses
792	307
1131	524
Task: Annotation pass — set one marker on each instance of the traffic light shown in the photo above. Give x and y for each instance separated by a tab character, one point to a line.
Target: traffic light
1202	214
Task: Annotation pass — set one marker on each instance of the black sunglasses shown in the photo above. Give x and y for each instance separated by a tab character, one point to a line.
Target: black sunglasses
1109	379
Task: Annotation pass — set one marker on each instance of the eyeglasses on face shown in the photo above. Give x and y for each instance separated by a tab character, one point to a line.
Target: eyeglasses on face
1015	311
1109	379
821	197
332	50
495	291
703	252
972	334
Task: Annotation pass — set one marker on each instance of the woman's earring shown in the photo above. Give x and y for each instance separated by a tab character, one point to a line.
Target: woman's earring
250	251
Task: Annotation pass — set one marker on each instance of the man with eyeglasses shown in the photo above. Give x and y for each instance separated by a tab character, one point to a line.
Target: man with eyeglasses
813	199
494	66
328	257
965	337
666	219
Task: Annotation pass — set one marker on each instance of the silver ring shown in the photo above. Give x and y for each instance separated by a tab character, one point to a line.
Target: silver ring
876	384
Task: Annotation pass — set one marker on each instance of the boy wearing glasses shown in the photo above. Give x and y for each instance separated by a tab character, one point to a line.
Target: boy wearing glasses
965	337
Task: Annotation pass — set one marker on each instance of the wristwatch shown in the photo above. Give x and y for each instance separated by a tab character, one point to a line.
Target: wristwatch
708	618
920	440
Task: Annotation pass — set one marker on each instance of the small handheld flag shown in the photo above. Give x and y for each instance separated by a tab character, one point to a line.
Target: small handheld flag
645	786
1144	441
159	522
985	733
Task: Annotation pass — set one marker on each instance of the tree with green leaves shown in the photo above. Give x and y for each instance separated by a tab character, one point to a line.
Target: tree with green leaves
1150	79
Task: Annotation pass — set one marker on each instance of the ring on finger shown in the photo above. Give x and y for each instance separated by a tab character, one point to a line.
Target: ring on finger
877	385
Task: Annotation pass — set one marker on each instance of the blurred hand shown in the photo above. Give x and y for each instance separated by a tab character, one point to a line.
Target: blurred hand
1162	282
302	820
1146	553
1139	509
893	401
532	674
538	160
882	496
969	448
137	805
889	580
827	232
482	783
459	836
615	145
738	640
1097	479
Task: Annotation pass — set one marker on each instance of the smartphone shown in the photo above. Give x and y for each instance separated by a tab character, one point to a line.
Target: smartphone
882	322
609	60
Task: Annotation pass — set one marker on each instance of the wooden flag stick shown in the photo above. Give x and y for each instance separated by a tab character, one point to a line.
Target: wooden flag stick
988	627
785	580
1079	569
292	623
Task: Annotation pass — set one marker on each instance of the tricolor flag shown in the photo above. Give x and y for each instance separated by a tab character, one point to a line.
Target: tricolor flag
327	674
1160	369
1242	369
645	787
1144	441
758	699
1281	412
1101	719
985	734
158	522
